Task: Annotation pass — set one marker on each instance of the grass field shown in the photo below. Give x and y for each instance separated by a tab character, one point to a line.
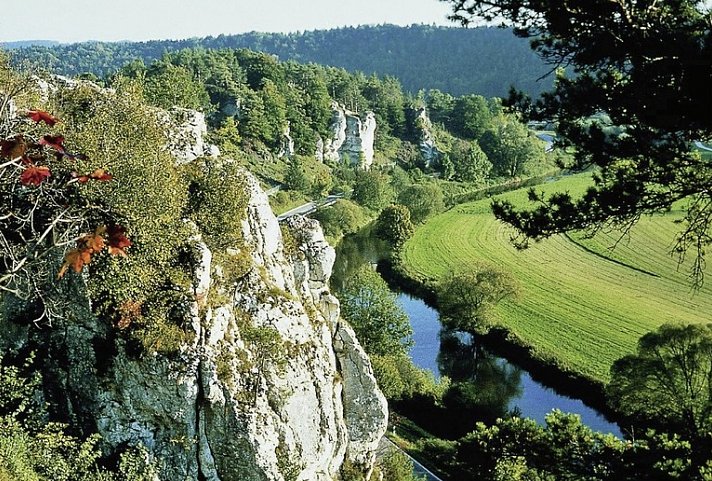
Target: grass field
582	305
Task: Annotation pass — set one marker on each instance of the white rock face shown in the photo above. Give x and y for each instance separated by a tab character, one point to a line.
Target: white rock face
319	151
269	386
428	149
351	137
187	128
286	147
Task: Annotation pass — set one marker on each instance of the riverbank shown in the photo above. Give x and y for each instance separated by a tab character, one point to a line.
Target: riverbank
501	342
581	302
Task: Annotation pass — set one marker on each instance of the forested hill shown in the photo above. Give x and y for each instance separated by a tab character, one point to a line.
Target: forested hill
28	43
482	60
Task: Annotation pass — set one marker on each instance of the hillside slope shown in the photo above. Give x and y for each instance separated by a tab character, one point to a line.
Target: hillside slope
456	60
583	305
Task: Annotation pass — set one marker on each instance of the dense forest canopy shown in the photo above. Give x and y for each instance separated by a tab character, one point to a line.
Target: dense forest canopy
486	61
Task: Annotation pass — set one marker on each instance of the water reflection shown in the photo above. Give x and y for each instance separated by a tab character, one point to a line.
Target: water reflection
484	386
353	252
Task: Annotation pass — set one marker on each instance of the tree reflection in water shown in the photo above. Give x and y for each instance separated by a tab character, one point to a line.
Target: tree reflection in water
354	251
483	385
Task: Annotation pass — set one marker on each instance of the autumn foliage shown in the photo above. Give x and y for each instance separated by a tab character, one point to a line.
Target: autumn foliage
112	237
43	214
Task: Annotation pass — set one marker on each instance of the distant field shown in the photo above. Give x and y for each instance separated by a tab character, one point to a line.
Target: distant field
582	305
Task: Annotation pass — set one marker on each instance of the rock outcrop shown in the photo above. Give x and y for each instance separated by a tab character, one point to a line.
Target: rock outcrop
187	128
265	382
352	137
428	149
286	143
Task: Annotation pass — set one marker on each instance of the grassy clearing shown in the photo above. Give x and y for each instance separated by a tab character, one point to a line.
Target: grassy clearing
583	305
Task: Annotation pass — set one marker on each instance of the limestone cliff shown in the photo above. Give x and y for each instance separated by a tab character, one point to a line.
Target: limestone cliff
351	138
271	385
187	128
267	383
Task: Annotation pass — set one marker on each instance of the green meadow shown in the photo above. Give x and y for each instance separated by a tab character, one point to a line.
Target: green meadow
584	302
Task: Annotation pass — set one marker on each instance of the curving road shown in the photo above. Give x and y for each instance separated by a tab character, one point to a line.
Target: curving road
310	207
702	146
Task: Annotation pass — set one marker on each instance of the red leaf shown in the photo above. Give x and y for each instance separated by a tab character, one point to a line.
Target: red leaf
34	175
117	241
101	175
93	242
42	116
13	148
82	179
54	141
76	259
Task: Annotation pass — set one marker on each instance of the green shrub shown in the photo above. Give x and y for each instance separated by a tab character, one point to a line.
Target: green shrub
342	218
32	449
396	466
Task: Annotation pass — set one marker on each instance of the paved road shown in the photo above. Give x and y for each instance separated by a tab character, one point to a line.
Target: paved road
548	141
420	470
309	207
702	146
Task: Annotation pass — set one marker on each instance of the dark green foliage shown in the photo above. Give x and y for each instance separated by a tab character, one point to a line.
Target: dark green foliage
668	383
372	190
386	99
167	85
295	178
275	112
520	449
469	162
422	200
371	309
466	298
639	98
511	148
440	106
470	116
394	225
33	449
459	61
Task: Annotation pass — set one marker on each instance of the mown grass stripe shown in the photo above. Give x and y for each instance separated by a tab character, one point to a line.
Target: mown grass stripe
582	303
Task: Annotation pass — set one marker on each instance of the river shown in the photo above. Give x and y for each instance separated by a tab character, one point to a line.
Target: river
503	385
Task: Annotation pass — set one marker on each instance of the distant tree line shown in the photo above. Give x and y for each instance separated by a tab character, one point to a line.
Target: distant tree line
479	60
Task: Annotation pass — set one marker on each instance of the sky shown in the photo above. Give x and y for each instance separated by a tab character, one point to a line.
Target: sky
111	20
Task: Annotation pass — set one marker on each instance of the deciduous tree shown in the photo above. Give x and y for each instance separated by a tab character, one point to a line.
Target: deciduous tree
422	200
668	382
394	225
380	324
466	298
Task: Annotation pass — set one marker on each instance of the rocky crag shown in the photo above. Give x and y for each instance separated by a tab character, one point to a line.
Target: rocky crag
269	383
351	138
427	146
